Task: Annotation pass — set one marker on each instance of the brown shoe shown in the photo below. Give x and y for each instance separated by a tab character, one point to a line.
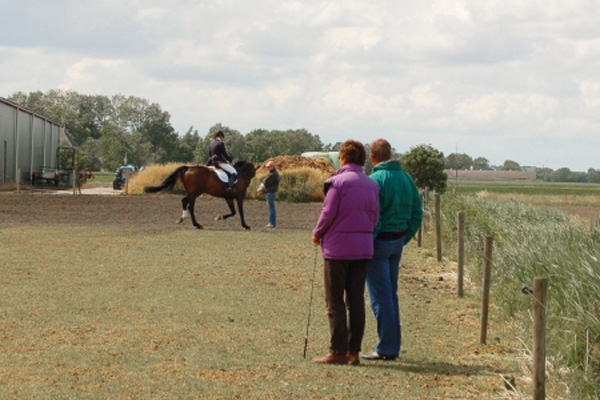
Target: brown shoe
353	358
332	358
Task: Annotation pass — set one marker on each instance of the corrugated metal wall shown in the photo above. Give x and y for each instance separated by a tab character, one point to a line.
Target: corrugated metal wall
27	142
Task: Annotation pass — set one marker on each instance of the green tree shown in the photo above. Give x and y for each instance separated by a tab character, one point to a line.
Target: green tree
262	144
561	175
426	166
140	153
114	147
187	146
593	176
481	164
543	174
459	161
157	130
332	147
130	112
510	165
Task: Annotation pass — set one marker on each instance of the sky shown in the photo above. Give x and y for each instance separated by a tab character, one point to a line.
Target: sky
501	79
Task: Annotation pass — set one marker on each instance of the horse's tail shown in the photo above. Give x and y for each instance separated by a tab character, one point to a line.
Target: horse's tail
169	182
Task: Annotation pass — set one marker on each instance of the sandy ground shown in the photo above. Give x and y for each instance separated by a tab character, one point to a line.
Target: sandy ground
102	205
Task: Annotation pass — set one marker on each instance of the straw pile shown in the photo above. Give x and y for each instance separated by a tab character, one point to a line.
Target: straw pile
283	163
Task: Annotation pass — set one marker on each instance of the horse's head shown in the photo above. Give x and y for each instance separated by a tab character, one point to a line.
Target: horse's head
245	169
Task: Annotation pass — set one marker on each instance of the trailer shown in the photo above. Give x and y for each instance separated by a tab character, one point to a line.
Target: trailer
46	175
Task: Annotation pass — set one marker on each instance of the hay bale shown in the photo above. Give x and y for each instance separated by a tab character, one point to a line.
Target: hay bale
283	163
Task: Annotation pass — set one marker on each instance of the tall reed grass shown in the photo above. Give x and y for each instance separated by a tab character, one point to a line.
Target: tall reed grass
534	242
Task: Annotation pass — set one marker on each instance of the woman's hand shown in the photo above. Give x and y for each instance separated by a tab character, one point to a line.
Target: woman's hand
316	240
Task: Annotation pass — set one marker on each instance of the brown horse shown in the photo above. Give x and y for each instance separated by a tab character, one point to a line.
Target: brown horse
199	179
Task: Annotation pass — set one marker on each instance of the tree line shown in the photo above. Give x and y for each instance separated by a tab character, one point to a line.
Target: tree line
110	131
461	161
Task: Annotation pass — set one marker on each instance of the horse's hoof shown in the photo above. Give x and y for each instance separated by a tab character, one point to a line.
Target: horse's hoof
218	217
247	228
199	227
180	220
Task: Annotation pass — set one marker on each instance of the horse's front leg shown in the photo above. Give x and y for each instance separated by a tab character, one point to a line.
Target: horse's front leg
231	210
191	205
240	202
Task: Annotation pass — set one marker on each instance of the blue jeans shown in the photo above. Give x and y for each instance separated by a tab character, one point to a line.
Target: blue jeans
382	283
271	204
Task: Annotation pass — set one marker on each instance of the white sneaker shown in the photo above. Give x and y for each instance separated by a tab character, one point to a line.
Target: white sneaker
269	226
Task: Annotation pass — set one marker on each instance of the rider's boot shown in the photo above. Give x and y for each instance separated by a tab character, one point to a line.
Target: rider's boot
231	183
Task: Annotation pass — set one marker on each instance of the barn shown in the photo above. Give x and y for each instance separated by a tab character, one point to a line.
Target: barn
28	141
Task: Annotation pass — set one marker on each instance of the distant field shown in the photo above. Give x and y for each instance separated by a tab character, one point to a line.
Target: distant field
102	177
524	187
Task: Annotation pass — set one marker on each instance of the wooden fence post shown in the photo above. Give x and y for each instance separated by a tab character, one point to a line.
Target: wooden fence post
426	214
461	252
438	226
487	272
540	285
19	180
423	225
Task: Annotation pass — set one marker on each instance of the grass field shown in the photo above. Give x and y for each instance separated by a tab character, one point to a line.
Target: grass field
100	312
97	311
467	186
102	177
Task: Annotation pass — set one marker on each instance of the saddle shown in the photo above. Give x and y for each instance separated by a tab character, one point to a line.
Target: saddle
223	177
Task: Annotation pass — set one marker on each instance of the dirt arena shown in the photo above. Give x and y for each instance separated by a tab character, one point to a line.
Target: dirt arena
143	212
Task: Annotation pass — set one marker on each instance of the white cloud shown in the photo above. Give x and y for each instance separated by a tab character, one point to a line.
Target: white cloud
499	79
591	94
93	72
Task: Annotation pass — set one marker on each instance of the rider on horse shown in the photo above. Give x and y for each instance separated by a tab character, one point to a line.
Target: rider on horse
219	158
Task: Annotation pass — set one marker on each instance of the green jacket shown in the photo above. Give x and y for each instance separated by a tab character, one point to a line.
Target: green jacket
400	205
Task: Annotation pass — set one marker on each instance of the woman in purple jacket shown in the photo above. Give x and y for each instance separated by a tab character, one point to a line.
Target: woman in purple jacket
345	232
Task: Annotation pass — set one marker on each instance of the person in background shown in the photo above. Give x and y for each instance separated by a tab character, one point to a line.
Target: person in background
270	186
400	214
219	158
344	231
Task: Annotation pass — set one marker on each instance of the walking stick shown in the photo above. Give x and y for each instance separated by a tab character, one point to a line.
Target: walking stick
312	286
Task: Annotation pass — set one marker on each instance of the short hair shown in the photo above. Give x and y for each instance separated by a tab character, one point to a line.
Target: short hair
354	152
219	134
381	150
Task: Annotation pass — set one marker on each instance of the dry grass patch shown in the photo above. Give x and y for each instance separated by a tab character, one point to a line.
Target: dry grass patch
119	313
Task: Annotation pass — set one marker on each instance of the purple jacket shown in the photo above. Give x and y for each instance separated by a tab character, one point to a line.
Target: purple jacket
349	215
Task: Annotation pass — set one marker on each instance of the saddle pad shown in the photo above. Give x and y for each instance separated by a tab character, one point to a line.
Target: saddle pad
223	177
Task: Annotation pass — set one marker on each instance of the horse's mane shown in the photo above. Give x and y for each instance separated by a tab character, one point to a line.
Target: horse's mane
245	168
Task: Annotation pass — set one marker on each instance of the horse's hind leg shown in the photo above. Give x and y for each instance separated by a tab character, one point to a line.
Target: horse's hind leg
191	204
184	205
